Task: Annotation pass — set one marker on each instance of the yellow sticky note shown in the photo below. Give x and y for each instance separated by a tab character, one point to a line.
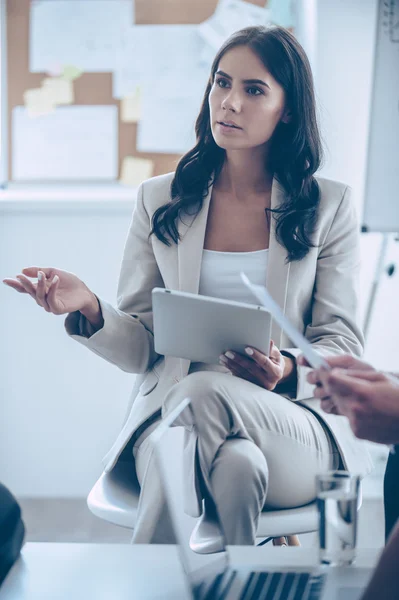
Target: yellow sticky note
135	170
59	90
131	107
38	102
70	72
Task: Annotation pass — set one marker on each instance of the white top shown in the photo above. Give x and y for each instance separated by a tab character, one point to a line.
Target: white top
220	274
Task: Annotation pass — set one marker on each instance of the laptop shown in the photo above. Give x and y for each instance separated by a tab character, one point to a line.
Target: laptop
216	576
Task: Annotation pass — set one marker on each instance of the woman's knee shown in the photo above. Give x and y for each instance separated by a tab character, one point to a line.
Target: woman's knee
204	390
239	469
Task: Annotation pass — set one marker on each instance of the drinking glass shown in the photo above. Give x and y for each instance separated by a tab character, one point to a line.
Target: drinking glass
337	501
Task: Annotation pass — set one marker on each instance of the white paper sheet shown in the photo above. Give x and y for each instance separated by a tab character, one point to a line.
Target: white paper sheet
147	51
169	109
85	33
230	16
73	142
262	295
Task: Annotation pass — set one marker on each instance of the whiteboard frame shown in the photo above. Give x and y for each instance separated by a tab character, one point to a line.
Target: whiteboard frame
378	34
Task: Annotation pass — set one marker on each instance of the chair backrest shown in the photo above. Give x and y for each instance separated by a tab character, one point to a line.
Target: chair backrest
115	495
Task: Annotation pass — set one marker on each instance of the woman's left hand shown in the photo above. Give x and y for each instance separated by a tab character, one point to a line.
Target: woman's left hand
258	368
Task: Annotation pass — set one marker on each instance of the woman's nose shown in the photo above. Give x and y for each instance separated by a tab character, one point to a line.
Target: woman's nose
232	102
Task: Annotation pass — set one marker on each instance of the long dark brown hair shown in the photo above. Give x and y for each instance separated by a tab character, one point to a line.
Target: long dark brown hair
295	151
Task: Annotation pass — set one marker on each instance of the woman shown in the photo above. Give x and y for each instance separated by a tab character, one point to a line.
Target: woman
244	198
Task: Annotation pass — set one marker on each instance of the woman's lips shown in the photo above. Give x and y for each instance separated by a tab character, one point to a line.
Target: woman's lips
226	128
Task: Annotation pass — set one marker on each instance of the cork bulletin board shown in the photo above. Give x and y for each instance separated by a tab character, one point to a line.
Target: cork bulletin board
95	88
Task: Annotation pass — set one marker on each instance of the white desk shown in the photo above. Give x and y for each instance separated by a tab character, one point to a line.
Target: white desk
50	571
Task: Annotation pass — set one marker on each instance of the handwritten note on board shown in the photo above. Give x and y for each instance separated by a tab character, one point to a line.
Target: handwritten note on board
71	143
78	32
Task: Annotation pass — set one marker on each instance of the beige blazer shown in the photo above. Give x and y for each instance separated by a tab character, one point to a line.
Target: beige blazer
319	294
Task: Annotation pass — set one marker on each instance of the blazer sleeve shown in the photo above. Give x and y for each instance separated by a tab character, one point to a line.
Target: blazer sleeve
126	338
334	328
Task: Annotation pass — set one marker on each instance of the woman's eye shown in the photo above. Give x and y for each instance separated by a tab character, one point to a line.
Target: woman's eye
221	83
254	91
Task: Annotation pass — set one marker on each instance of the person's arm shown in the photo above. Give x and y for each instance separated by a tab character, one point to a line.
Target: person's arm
93	313
384	584
333	328
123	335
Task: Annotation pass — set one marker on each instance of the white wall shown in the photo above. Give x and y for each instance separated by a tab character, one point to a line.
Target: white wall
61	406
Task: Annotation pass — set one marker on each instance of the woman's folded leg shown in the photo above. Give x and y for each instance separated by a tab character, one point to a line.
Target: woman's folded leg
238	480
294	444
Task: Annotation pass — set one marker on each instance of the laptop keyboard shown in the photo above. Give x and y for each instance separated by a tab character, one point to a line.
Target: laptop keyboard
271	586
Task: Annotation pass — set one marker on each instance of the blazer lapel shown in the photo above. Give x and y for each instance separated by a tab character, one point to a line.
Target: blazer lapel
277	267
189	250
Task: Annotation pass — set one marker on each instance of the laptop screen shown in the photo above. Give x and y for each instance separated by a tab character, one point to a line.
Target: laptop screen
169	456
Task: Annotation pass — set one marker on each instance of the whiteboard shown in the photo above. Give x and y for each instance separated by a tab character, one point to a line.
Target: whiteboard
381	207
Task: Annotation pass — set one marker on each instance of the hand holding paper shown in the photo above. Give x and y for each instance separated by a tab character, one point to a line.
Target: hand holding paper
260	292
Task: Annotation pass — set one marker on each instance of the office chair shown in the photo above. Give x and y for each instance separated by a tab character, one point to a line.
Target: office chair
115	497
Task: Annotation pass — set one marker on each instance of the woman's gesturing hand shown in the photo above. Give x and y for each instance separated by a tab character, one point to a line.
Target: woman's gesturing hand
57	291
258	368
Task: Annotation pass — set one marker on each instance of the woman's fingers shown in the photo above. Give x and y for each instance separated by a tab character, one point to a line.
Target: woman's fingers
15	285
43	292
34	271
262	360
240	372
243	367
51	294
27	285
37	292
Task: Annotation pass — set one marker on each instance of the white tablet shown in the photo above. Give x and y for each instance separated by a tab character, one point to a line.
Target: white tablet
201	328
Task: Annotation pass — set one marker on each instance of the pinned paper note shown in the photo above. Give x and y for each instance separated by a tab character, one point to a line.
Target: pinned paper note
38	102
72	143
70	72
130	107
230	16
135	170
146	51
85	33
59	90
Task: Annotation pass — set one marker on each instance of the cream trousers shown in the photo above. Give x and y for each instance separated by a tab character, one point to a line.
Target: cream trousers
246	449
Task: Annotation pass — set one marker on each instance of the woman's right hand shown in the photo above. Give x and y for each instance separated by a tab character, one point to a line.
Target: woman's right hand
57	291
